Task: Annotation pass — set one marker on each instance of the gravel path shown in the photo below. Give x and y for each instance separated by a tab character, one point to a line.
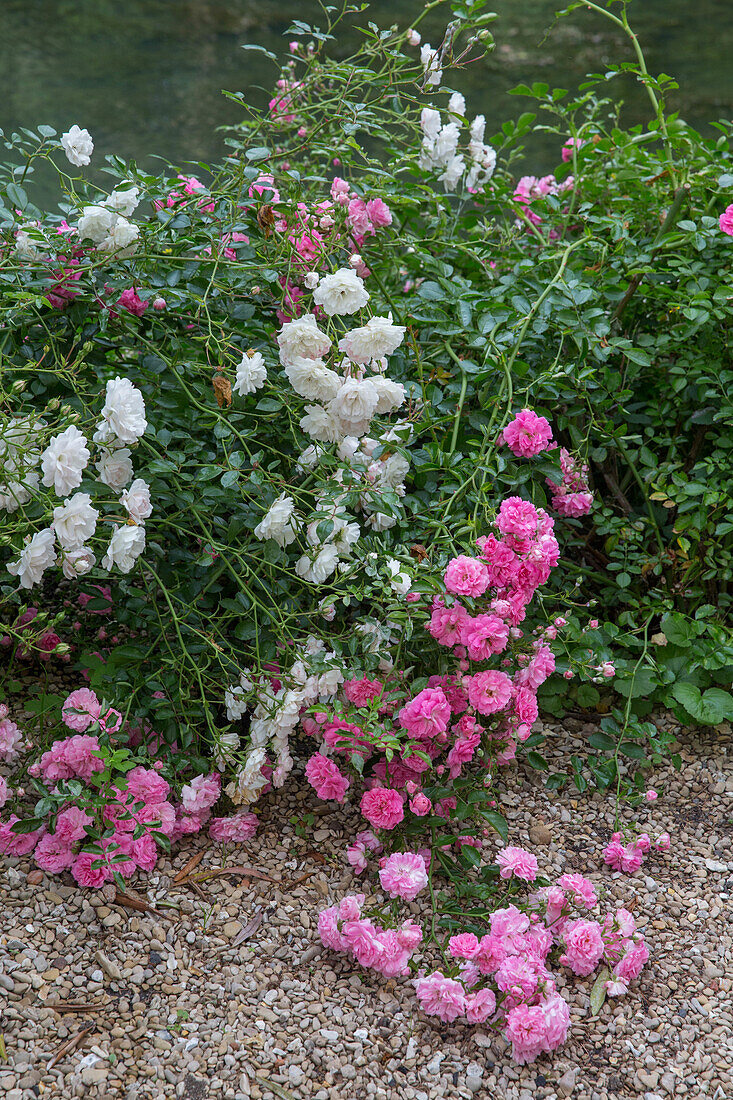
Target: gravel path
230	996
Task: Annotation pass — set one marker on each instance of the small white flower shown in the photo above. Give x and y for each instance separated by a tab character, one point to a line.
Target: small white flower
311	280
78	146
354	405
302	337
321	424
377	338
457	104
95	223
400	581
391	394
35	558
251	373
123	413
75	521
122	238
124	202
431	64
455	168
309	458
321	567
279	522
394	471
414	37
125	547
64	460
115	467
136	500
312	379
341	293
75	563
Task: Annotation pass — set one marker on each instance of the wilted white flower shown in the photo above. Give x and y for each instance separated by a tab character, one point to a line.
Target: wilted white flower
25	247
123	413
431	64
377	338
279	522
251	373
400	581
75	521
354	405
125	547
311	378
303	337
235	697
341	293
391	394
124	202
311	280
321	567
35	558
414	37
75	563
308	458
394	471
95	223
78	146
321	424
136	500
115	467
64	460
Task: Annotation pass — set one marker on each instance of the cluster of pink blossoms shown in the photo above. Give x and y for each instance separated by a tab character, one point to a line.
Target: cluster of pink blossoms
572	497
629	857
528	434
531	188
139	798
386	950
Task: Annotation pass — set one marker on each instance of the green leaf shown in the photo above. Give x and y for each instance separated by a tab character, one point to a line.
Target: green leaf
602	741
497	822
709	708
598	992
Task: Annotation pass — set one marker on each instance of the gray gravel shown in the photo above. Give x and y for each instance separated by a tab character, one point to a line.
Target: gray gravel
174	1005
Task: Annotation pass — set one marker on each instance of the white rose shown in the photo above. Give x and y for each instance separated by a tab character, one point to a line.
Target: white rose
457	104
63	461
115	467
321	567
303	337
377	338
400	582
75	563
321	424
311	280
124	202
124	411
122	238
394	471
431	64
311	378
391	394
452	174
354	405
279	523
78	146
309	458
75	521
125	547
341	293
430	123
95	223
251	373
380	521
35	558
136	500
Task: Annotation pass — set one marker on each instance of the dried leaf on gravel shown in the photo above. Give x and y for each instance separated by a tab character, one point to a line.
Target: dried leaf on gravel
245	872
190	866
75	1006
277	1089
598	992
250	927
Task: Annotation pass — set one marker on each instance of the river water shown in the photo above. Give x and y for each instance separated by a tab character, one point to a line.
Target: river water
145	76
